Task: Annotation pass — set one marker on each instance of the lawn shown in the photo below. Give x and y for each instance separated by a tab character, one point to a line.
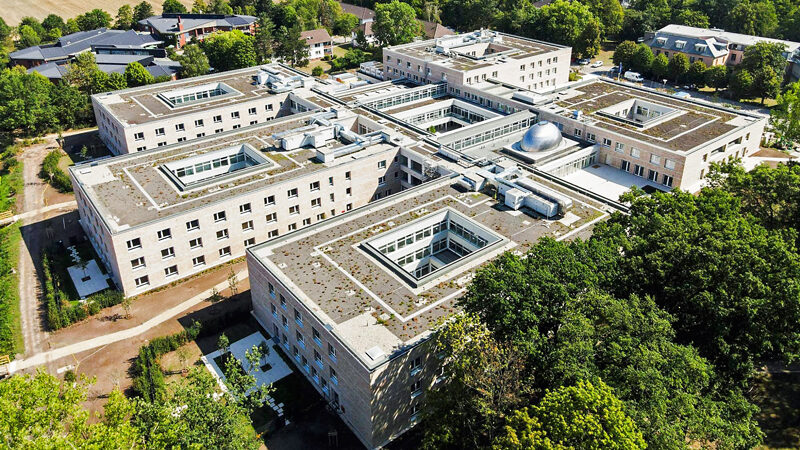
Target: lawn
338	51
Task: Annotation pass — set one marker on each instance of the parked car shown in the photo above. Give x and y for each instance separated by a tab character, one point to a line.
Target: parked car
597	64
584	61
636	77
614	71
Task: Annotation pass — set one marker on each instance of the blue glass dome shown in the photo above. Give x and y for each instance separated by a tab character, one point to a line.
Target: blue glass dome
541	137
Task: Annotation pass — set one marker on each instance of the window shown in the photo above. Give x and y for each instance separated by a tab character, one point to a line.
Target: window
316	203
182	138
590	137
669	164
134	243
607	141
218	119
578	132
348	192
331	352
196	243
200	135
381	181
219	217
315	336
249	242
164	234
283	301
291	193
638	170
272	234
416	388
222	234
618	147
159	131
333	377
294	210
218	130
245	208
139	136
137	263
237	126
655	159
349	206
284	322
193	225
272	217
292	226
330	181
300	339
180	127
168	253
318	359
306	222
171	271
298	318
199	261
142	281
314	186
625	165
161	144
269	201
382	164
347	175
139	149
416	365
198	123
652	175
268	107
247	226
224	252
321	216
251	111
235	115
635	152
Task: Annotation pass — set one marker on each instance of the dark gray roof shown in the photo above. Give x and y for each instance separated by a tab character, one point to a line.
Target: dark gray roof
700	46
363	14
168	23
72	44
112	64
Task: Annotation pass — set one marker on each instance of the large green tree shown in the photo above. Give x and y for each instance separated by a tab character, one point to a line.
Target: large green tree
228	50
624	53
290	47
124	19
678	66
96	18
785	115
395	23
194	61
470	15
757	18
717	77
25	101
137	75
609	13
586	416
142	11
172	6
264	41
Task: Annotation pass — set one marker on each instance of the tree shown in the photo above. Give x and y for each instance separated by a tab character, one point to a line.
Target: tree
37	27
27	38
717	77
729	281
766	83
173	7
70	105
697	73
345	24
60	420
228	50
635	24
609	13
290	47
741	84
264	38
223	344
660	67
764	54
395	23
678	66
142	11
72	26
588	43
624	54
586	416
566	23
785	115
195	414
482	380
81	72
137	75
642	59
53	22
127	302
199	7
317	71
756	18
691	18
219	7
194	61
94	19
5	30
25	101
469	15
124	20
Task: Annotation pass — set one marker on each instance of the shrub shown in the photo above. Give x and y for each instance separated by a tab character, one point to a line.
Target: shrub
317	71
53	174
148	379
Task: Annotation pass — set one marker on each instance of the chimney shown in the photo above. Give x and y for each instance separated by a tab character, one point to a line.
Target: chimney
180	24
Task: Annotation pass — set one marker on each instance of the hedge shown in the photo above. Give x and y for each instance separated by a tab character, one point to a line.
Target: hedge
59	180
148	379
10	334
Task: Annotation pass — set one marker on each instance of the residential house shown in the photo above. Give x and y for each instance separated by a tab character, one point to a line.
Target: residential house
180	29
319	43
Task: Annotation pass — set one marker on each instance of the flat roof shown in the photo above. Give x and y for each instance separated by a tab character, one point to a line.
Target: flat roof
367	304
696	123
519	48
143	104
132	190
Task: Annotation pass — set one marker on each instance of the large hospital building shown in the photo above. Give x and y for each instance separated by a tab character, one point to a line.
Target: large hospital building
365	208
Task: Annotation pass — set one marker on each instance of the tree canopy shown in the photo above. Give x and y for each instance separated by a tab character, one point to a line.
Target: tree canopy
395	23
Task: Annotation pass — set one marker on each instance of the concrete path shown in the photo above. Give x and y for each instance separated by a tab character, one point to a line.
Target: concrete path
101	341
28	214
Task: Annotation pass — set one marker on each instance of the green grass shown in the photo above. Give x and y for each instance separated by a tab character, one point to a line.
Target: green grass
11	341
11	182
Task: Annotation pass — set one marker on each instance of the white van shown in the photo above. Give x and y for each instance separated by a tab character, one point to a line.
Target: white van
633	76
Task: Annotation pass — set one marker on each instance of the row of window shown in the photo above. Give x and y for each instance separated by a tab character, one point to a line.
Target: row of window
652	175
199	123
619	147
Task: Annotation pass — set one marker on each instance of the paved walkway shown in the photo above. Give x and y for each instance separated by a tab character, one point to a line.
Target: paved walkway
28	214
101	341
